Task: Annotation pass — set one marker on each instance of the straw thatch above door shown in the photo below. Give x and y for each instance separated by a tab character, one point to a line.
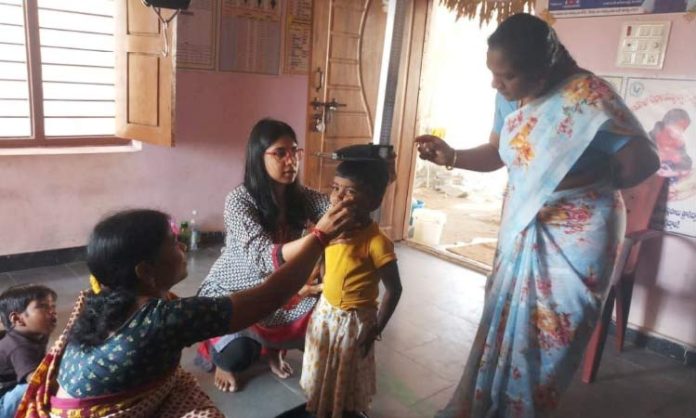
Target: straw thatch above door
485	10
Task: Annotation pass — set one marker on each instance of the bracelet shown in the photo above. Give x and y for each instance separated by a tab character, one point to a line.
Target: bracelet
321	236
449	167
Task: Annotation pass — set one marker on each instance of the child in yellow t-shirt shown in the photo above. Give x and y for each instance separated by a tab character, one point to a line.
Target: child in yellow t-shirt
338	370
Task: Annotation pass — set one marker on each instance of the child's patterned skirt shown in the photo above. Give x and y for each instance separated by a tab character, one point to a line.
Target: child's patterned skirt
335	375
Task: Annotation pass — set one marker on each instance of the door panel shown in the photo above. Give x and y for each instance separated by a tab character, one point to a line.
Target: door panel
348	19
404	126
348	39
351	128
347	45
145	78
344	74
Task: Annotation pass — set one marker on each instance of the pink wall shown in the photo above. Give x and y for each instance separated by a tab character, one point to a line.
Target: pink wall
664	300
593	41
52	201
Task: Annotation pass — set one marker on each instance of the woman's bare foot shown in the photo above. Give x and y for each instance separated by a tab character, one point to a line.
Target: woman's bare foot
279	367
225	381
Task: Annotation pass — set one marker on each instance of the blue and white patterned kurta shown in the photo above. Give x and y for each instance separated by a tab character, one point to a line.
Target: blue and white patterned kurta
146	348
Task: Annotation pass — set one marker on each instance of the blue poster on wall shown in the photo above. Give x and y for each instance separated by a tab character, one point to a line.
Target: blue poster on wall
560	8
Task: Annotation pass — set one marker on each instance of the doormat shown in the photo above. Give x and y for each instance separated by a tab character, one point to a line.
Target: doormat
483	252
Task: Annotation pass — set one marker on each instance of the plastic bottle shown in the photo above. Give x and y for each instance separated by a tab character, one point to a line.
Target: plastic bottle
195	235
184	233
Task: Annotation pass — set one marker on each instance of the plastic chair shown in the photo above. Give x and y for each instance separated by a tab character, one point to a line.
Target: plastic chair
640	202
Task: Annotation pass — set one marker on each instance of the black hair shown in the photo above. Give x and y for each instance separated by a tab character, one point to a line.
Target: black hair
372	176
18	298
116	246
673	115
532	48
676	114
260	185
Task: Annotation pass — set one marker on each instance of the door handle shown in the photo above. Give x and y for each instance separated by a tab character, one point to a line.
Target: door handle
322	113
333	104
316	104
330	107
318	79
317	123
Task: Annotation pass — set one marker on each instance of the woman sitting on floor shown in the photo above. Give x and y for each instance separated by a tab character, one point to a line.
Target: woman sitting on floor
119	354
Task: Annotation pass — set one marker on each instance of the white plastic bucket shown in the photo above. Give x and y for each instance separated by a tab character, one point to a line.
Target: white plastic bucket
428	225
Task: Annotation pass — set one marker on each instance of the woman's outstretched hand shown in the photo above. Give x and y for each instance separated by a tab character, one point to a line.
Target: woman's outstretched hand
434	149
337	219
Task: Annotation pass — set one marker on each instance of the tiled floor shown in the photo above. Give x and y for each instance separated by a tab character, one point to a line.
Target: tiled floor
423	351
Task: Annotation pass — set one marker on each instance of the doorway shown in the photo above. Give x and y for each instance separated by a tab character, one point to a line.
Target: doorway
456	214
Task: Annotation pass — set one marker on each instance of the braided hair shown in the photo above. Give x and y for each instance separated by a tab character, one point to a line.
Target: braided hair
117	245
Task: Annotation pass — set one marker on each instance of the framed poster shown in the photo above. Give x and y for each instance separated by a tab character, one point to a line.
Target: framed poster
197	35
580	8
667	111
250	36
298	37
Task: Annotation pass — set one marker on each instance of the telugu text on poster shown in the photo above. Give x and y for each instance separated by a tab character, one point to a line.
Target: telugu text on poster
250	36
298	37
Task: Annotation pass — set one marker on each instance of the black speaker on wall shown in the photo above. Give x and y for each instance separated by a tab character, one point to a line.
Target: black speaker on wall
169	4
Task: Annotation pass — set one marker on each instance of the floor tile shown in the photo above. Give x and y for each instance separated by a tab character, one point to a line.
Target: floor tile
404	380
61	278
442	357
5	281
261	396
429	406
80	269
423	351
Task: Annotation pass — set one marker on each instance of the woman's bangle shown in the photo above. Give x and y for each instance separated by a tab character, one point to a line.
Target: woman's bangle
454	161
321	236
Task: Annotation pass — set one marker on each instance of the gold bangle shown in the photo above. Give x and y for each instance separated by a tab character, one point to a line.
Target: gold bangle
454	161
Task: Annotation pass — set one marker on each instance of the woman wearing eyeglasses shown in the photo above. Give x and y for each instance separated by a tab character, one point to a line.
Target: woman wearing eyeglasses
264	220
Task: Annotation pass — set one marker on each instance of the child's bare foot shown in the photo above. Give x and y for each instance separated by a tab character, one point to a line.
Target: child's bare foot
225	381
279	367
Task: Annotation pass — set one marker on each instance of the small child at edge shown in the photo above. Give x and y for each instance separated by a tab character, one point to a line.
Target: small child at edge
28	314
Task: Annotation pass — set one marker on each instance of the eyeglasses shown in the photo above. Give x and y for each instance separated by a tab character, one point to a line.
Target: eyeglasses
281	154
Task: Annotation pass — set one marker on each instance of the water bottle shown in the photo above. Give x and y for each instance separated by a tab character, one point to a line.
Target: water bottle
184	235
195	233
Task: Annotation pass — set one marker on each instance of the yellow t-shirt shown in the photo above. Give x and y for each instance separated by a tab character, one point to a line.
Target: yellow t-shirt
351	279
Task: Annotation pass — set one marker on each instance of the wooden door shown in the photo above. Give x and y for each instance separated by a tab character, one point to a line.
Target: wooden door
144	76
347	46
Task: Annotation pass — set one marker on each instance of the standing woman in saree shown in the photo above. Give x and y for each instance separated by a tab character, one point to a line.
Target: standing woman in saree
119	354
569	144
